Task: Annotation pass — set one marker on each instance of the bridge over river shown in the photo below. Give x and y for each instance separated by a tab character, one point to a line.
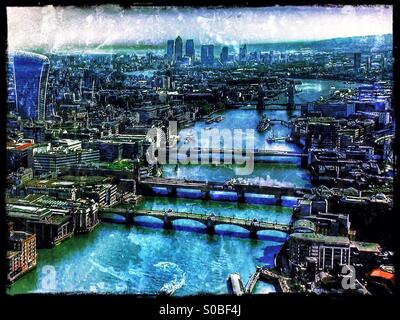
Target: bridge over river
230	155
244	152
147	184
210	221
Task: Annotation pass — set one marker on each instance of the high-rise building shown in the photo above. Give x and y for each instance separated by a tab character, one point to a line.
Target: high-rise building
170	49
243	54
368	64
207	54
204	54
178	48
357	61
189	49
224	54
31	72
383	65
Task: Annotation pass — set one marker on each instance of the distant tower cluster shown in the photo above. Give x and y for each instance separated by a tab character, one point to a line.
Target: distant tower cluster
175	50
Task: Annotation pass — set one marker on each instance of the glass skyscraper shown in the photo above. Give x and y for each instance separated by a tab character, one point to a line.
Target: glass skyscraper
207	54
31	73
178	48
190	48
170	49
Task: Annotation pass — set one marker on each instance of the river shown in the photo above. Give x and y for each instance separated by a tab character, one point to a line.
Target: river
142	259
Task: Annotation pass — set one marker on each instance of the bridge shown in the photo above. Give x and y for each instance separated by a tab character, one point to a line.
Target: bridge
146	184
210	221
199	151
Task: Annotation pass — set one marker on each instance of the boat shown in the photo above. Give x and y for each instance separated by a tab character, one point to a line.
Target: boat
215	119
235	285
207	128
263	124
166	292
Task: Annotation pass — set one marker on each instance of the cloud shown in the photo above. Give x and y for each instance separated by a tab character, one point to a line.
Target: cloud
57	27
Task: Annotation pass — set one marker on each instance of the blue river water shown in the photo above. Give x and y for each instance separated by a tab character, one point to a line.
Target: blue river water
145	258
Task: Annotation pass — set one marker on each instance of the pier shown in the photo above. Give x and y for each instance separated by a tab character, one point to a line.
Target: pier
209	221
277	280
251	283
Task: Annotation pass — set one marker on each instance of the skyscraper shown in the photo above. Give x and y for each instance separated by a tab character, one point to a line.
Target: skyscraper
357	61
190	52
11	90
207	54
170	49
383	64
211	54
31	75
224	55
178	48
368	64
243	54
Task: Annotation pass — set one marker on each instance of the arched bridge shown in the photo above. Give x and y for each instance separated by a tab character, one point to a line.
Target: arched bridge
209	221
205	187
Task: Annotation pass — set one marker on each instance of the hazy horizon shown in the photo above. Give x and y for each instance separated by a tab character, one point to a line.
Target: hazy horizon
54	28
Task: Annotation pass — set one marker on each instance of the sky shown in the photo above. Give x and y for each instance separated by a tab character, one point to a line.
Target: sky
52	28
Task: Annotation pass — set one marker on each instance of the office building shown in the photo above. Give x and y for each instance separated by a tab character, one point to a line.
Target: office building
224	55
357	61
243	54
190	51
55	160
207	54
170	49
31	75
178	49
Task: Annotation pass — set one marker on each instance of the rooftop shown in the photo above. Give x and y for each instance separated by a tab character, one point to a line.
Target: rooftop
319	238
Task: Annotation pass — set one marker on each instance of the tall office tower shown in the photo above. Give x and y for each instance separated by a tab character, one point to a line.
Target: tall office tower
11	90
383	64
178	48
170	49
204	54
357	61
243	54
224	55
368	64
207	54
211	54
189	49
31	72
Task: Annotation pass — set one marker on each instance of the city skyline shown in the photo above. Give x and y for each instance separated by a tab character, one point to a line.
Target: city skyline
54	28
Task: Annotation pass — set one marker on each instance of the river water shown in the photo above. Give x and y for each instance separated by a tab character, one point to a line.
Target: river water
142	259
